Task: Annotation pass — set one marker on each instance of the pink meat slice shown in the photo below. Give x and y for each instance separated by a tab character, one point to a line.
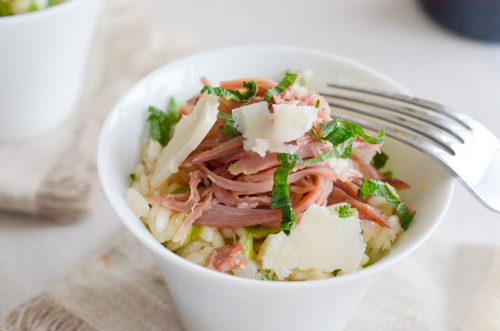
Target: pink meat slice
227	258
175	202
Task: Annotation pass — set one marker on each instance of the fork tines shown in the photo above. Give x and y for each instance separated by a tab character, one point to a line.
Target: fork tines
423	124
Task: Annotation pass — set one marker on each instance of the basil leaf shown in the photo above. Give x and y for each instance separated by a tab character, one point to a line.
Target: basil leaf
373	187
160	123
379	160
280	194
234	95
345	211
285	83
228	128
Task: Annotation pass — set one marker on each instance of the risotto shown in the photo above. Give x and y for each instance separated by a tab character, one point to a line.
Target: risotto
258	179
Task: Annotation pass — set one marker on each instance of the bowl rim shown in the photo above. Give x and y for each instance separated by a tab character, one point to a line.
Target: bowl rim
47	12
127	217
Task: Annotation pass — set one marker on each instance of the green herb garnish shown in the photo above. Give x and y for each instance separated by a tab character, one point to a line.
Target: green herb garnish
133	177
267	274
336	272
234	95
285	83
248	250
388	174
261	232
377	188
345	211
379	160
317	104
281	194
33	6
160	123
342	135
228	128
180	190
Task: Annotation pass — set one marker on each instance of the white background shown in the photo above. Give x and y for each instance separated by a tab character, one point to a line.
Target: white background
392	36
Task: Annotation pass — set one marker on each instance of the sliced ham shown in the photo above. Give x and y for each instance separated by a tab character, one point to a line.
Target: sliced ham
265	186
227	258
176	202
227	148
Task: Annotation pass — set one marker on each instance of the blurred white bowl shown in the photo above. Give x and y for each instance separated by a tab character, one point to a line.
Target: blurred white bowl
42	65
210	301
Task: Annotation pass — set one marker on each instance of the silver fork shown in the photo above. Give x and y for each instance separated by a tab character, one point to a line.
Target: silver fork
462	145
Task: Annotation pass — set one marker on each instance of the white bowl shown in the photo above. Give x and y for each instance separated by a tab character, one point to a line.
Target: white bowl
43	58
210	301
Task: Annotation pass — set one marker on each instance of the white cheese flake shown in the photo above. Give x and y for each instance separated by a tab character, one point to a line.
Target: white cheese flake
264	131
322	241
188	134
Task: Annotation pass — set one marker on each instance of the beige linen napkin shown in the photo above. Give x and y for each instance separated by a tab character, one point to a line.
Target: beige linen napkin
441	287
53	175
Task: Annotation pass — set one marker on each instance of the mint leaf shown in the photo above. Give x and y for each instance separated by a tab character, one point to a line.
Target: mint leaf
180	190
280	194
342	135
377	188
345	211
234	95
261	232
228	128
379	160
285	83
267	274
388	174
160	123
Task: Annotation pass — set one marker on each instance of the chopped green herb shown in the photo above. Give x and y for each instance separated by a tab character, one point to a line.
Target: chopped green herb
280	192
388	174
194	233
179	190
228	128
342	135
285	83
33	6
373	187
317	104
379	160
234	95
261	232
248	247
336	272
345	211
267	274
133	177
5	9
160	123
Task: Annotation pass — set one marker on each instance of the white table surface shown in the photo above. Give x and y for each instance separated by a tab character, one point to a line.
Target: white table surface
392	36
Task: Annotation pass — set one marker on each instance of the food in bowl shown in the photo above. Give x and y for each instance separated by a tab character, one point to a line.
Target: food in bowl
256	179
14	7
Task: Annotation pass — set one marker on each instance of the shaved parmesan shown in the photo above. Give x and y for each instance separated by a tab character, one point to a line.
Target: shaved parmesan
188	134
322	241
264	131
